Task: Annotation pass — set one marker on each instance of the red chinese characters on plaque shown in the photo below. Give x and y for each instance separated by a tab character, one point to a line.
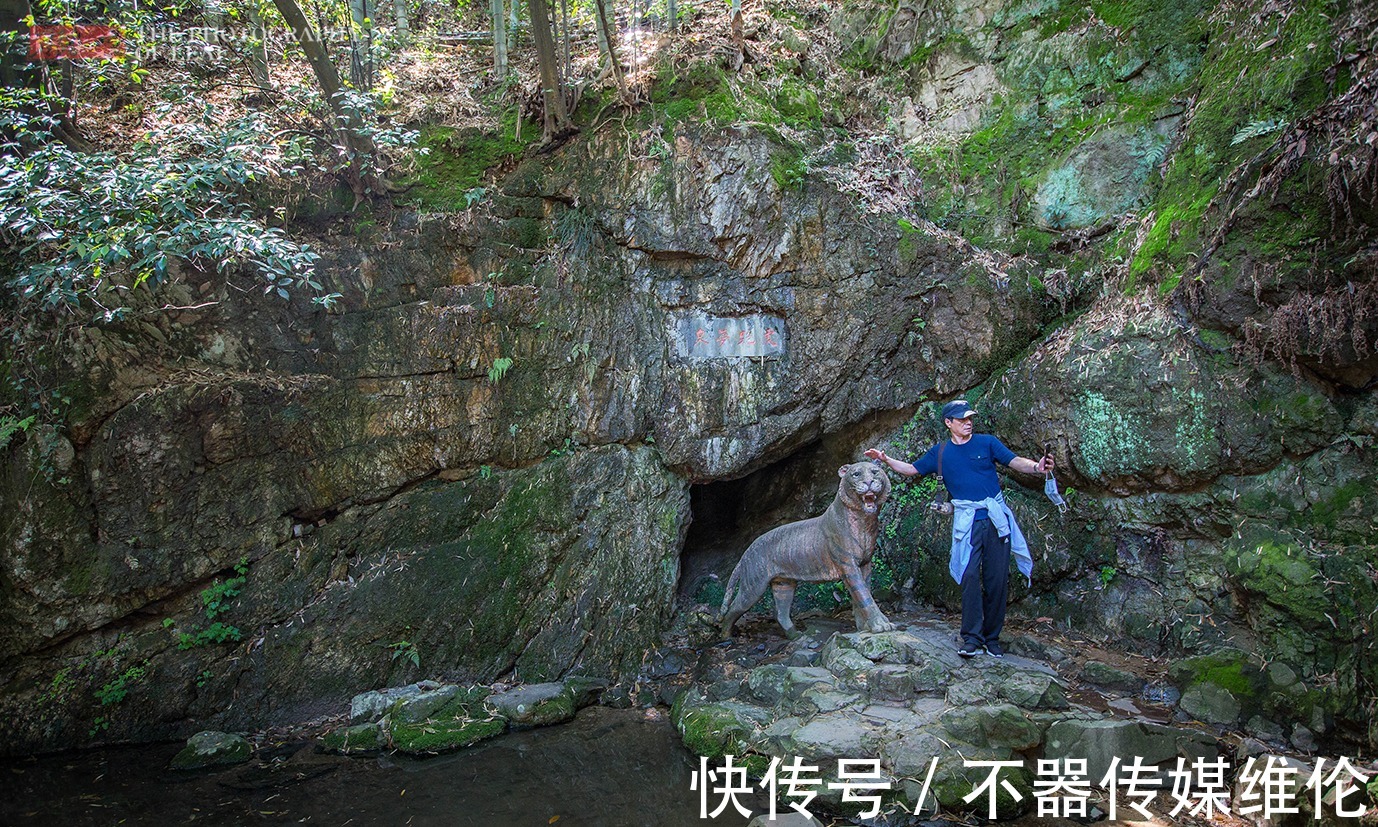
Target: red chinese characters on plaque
700	336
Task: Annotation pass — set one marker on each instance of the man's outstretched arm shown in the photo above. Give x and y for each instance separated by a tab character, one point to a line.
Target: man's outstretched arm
896	465
1024	465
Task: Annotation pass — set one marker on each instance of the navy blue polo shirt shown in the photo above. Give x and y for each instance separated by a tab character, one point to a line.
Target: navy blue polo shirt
969	469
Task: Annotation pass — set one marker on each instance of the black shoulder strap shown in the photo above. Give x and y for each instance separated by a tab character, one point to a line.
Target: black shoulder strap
940	496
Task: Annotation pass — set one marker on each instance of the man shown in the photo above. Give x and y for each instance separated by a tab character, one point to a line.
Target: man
984	533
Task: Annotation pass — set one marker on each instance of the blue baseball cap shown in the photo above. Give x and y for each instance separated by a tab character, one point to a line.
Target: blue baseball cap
957	409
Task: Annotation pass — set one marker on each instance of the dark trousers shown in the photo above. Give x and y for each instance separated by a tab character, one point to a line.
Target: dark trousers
985	585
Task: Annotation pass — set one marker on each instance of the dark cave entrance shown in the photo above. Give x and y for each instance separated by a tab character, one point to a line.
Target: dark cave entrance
728	514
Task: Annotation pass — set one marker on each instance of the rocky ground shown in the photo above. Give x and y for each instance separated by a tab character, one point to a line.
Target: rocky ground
906	697
903	698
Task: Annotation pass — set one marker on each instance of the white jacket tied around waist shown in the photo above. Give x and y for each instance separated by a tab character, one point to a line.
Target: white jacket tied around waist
964	516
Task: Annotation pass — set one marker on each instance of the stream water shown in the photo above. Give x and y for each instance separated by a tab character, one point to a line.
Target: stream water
619	768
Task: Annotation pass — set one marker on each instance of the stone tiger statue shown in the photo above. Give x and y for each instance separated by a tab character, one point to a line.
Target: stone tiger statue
836	545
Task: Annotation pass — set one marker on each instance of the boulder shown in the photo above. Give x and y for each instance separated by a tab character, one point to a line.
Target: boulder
715	729
1033	691
1003	726
972	691
1211	703
539	704
462	722
370	706
354	739
1101	741
830	737
416	708
212	749
1109	677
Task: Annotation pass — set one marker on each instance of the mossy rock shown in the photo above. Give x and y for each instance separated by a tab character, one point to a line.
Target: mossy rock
998	725
448	177
436	736
585	690
1103	674
417	708
212	749
954	782
354	739
710	729
798	104
1032	691
465	720
536	705
1210	703
1230	671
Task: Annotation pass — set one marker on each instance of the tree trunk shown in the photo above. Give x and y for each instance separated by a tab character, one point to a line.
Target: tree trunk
738	38
258	49
605	39
360	44
672	9
555	120
566	70
402	16
346	121
499	40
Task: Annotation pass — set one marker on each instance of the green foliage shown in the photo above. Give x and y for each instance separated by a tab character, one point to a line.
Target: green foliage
703	93
798	104
116	690
501	366
909	246
405	650
1107	575
1249	91
217	632
59	688
575	231
789	169
215	597
1257	128
450	170
912	496
90	226
215	600
1174	233
9	426
1062	92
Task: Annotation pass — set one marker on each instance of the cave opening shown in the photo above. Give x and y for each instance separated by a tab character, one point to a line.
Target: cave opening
727	515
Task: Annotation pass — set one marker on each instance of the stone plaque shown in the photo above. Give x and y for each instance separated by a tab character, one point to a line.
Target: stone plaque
713	337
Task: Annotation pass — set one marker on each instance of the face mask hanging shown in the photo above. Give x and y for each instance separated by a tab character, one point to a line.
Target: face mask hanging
1050	484
1050	491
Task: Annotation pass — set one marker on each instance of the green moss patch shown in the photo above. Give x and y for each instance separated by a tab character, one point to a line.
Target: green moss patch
462	722
360	738
456	161
1230	670
435	737
710	730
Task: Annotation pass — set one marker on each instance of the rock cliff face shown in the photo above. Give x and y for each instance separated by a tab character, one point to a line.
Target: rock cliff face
483	465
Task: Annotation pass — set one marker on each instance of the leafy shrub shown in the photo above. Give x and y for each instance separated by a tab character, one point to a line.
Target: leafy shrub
90	226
